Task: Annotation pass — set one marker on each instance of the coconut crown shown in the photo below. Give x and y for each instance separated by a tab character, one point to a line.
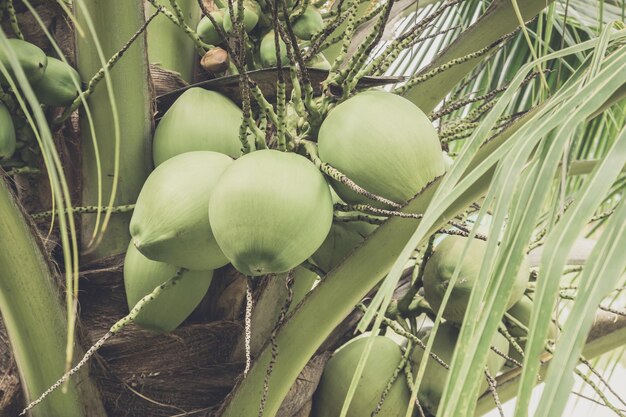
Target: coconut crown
59	84
174	304
30	57
199	120
384	358
270	211
434	380
440	269
382	142
170	222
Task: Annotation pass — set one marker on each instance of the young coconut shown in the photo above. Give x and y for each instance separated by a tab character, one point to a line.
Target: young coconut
7	133
440	269
434	381
251	13
207	32
270	211
170	222
382	142
59	85
310	23
267	51
30	57
174	304
319	61
199	120
518	323
342	239
384	358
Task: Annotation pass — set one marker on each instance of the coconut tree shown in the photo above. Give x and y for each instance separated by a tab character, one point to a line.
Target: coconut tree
475	229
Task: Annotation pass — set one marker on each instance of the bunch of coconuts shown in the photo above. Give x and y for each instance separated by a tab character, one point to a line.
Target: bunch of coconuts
265	212
54	82
260	36
386	355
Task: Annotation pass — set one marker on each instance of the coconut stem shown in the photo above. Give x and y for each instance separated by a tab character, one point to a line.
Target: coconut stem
15	27
84	209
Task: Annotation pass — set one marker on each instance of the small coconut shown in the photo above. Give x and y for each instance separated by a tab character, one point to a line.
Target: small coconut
440	268
384	358
174	304
170	222
199	120
30	57
433	383
521	312
59	85
267	51
342	239
207	32
270	211
308	24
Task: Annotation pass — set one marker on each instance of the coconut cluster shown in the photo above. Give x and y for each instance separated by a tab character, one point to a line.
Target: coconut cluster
456	263
266	212
54	82
260	39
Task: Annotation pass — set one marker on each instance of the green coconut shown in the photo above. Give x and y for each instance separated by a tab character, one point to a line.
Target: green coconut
207	32
342	239
174	304
520	313
267	51
31	58
440	269
382	142
319	61
251	13
199	120
59	85
270	211
434	381
308	24
384	358
170	222
7	133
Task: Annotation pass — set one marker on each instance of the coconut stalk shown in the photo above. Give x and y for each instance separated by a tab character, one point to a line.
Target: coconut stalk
36	324
122	118
168	45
